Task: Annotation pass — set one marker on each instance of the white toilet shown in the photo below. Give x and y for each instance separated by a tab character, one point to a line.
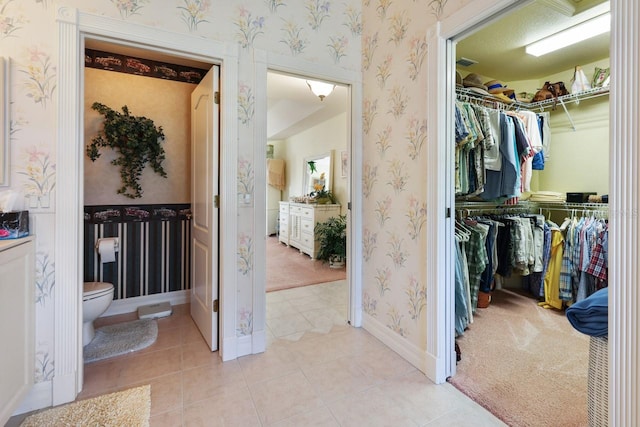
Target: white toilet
96	298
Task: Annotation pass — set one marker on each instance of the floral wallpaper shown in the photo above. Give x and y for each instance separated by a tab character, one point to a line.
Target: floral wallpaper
383	39
394	51
321	31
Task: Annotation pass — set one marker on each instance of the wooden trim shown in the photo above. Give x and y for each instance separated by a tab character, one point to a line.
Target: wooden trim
624	230
73	27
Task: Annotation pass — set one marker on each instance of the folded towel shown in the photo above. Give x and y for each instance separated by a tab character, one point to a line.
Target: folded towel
275	172
591	315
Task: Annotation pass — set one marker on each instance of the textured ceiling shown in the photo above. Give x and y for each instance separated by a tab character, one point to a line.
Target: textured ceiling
499	46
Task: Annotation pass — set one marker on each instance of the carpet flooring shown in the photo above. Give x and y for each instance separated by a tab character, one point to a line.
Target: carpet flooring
527	365
130	407
288	268
121	338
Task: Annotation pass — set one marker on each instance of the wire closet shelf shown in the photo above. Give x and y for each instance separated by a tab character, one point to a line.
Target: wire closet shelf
469	208
468	95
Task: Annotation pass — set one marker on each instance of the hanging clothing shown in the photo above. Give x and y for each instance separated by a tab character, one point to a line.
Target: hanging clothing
584	268
533	137
505	182
461	310
469	150
483	144
552	276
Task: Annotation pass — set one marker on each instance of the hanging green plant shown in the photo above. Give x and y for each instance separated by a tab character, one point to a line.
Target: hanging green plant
137	141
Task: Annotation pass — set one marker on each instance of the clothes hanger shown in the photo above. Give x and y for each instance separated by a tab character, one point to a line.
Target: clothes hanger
462	228
461	233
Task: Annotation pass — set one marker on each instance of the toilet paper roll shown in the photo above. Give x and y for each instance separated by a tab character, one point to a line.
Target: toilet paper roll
107	249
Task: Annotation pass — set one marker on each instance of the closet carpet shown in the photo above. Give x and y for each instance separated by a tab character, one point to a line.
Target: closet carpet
288	268
525	364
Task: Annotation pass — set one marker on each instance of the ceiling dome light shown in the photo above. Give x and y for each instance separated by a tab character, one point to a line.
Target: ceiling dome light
320	89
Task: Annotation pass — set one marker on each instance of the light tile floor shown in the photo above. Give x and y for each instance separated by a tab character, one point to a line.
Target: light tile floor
317	371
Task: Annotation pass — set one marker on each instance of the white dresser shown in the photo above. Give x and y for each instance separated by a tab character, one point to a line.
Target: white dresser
17	315
297	223
283	223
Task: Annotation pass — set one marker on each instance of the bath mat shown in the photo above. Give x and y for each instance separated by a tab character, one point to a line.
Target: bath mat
130	407
121	338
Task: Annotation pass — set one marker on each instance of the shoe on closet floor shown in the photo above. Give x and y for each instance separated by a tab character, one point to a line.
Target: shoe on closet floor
484	299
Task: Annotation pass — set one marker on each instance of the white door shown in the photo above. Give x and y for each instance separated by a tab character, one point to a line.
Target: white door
204	192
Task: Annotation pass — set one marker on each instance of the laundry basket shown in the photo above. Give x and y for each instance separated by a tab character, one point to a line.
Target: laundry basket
598	382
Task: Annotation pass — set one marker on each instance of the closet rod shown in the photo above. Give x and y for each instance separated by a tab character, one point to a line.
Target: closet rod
532	204
467	209
571	206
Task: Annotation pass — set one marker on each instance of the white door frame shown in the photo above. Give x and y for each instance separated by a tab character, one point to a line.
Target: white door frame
624	221
73	27
265	62
440	194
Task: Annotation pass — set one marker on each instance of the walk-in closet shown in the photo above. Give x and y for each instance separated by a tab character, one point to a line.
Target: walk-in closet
531	178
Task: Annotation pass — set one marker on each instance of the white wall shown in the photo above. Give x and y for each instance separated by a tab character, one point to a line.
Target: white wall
168	104
578	159
330	135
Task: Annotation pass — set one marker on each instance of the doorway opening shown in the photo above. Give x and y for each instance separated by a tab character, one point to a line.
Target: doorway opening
563	125
159	259
308	138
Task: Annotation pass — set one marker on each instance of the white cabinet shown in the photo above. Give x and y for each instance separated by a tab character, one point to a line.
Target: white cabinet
17	316
297	223
283	226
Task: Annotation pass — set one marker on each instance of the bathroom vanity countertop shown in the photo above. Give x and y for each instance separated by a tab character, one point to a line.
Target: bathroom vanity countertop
10	243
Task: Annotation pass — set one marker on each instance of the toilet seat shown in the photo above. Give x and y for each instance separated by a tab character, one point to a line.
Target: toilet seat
92	290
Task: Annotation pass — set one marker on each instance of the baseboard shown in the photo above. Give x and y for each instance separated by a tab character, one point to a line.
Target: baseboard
229	348
130	305
40	396
243	345
259	342
412	354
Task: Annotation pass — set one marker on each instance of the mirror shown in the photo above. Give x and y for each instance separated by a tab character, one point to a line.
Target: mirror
316	172
4	122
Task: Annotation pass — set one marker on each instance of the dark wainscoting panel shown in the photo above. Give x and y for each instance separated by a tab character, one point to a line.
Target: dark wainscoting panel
154	248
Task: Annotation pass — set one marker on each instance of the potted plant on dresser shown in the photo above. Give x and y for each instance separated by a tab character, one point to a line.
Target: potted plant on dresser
332	239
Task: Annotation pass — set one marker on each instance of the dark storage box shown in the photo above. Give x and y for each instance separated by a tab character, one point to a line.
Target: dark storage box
14	225
579	197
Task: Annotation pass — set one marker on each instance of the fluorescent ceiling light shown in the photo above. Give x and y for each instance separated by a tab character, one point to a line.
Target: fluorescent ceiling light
583	31
320	89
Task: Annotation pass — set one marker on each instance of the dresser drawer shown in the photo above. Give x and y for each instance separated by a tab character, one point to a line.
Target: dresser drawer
306	213
296	210
306	226
307	241
284	209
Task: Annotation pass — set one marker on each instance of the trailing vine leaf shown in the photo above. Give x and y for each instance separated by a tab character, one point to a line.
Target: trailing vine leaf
136	140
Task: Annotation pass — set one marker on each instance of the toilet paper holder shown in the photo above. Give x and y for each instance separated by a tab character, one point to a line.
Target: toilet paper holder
116	243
